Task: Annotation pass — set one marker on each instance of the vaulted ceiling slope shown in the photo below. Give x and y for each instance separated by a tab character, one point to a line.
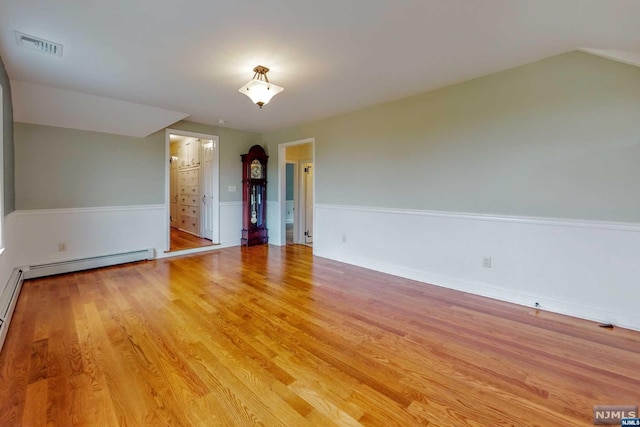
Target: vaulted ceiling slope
188	59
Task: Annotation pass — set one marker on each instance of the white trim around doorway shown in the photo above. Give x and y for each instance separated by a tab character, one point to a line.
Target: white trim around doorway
282	187
216	188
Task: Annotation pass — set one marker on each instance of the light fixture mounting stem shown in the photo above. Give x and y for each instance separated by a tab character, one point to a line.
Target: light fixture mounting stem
261	72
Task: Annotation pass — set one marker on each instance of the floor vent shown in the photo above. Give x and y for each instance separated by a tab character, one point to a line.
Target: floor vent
86	263
8	300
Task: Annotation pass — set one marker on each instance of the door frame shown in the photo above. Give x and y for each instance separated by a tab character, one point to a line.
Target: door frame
282	186
173	221
301	215
216	187
215	190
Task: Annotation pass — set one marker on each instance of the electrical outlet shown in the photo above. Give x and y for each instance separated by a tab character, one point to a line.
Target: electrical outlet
486	262
62	247
233	189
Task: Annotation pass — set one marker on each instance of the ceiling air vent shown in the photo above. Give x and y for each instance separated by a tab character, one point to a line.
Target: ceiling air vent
35	43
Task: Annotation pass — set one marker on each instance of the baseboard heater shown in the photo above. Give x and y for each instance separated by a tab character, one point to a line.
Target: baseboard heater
8	300
50	269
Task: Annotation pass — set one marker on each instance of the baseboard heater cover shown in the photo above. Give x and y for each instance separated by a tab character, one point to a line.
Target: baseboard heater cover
8	300
50	269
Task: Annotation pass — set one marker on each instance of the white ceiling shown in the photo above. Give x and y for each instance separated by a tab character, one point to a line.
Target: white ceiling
188	58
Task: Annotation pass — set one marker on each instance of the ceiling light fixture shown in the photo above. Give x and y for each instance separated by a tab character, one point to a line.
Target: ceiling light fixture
259	89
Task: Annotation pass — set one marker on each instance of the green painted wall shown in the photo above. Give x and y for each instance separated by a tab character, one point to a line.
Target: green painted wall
67	168
7	126
555	138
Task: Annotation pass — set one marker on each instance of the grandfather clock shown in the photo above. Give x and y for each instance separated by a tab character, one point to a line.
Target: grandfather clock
254	197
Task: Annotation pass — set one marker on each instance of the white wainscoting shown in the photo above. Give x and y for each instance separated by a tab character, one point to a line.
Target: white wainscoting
273	223
586	269
230	223
7	257
87	232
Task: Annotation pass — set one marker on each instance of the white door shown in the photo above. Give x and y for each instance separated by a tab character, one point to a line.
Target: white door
207	213
308	202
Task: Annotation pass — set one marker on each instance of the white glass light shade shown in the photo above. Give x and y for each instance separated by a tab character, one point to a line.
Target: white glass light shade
260	91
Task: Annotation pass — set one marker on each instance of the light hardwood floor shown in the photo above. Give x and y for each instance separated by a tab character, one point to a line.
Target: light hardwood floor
289	234
180	240
273	336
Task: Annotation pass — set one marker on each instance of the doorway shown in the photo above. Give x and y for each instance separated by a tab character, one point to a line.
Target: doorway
296	193
192	196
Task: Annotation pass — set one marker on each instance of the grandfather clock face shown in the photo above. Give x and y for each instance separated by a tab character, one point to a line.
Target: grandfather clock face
256	169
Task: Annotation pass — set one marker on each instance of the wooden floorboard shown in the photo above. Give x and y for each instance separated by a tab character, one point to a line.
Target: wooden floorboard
180	240
276	337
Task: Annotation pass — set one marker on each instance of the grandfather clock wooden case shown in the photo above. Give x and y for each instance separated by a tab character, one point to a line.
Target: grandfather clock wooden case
254	197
